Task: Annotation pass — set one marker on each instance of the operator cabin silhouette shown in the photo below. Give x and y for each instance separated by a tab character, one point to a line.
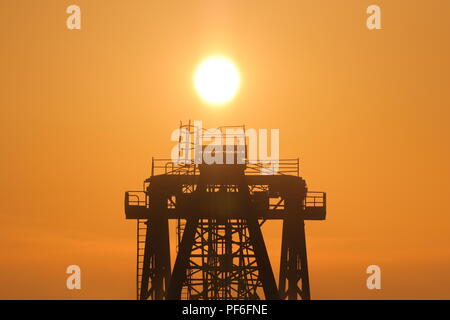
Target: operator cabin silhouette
219	210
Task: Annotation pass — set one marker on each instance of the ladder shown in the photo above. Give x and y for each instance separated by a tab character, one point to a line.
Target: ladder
140	248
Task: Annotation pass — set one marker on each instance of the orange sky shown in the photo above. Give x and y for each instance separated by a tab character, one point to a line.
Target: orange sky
83	112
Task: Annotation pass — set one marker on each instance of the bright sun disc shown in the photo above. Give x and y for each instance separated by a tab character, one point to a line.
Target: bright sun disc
217	80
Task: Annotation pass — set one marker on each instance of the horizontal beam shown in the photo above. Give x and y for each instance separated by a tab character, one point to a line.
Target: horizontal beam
140	212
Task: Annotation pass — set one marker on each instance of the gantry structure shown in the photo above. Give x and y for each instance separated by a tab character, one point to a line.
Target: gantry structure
219	209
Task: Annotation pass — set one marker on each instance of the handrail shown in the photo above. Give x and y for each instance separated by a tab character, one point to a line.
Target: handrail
132	198
169	163
315	199
284	167
287	166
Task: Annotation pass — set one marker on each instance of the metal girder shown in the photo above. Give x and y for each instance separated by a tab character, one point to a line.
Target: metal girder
294	277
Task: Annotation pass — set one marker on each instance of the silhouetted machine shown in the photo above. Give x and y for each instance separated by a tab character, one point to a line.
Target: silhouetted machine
219	210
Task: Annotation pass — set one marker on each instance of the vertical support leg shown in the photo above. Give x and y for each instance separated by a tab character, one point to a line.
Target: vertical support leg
148	266
302	256
283	263
262	258
162	260
294	263
156	266
182	260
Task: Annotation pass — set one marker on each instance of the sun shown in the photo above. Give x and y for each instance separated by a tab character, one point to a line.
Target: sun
217	80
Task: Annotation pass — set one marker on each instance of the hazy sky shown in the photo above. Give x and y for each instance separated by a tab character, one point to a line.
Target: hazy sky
83	112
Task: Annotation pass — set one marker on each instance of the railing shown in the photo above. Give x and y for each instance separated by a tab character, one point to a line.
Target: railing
167	166
275	167
136	198
315	199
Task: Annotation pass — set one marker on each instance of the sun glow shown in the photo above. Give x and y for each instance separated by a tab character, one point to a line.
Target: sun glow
217	80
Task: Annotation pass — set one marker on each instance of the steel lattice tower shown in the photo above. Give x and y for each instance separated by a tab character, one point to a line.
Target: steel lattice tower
221	251
222	263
